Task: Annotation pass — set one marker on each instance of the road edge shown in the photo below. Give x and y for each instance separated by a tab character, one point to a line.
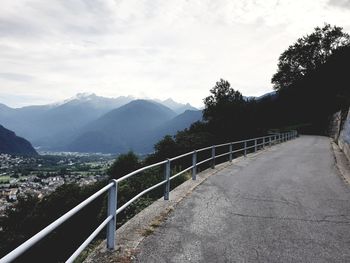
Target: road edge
133	232
341	162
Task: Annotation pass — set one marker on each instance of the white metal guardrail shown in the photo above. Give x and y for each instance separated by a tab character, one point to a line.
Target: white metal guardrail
112	189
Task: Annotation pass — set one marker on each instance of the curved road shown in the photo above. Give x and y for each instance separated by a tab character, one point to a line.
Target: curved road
286	204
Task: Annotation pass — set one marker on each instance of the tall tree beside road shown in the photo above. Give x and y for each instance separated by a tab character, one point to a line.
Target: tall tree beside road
308	53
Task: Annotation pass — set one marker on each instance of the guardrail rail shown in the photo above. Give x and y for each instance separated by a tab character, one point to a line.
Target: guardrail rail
112	188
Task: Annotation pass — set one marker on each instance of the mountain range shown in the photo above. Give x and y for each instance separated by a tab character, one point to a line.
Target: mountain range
175	106
90	123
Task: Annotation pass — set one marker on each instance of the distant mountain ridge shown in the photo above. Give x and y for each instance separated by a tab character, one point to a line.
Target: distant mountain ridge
178	123
175	106
90	123
10	143
72	123
172	126
51	125
271	95
130	123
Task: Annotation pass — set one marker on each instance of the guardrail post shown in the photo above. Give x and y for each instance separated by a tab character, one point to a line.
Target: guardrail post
111	210
264	142
270	139
166	177
230	152
245	148
194	164
255	145
213	157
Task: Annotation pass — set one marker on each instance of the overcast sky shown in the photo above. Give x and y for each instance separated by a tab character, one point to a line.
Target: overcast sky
51	50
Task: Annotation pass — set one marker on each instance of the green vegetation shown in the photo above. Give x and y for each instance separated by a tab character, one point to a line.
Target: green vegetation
308	54
125	164
4	179
44	166
33	214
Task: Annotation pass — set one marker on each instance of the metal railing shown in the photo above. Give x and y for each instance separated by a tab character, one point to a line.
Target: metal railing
112	188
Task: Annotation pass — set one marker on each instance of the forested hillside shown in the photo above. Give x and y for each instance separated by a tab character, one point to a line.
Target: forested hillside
10	143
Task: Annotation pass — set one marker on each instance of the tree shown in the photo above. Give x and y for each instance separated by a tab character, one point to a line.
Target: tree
31	214
123	165
307	54
225	111
166	148
193	138
222	96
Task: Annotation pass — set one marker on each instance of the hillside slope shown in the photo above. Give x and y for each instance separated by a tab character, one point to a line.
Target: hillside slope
10	143
171	127
122	129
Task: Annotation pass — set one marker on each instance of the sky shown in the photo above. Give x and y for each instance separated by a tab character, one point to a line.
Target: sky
52	50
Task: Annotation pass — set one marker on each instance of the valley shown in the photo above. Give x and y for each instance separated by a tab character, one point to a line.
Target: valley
41	175
75	141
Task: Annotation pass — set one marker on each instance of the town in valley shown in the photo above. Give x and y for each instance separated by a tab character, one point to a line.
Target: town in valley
42	174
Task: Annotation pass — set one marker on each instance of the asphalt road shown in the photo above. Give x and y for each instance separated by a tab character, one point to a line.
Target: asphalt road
287	204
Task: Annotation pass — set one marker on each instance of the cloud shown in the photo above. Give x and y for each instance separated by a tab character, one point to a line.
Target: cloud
340	3
152	48
15	77
21	100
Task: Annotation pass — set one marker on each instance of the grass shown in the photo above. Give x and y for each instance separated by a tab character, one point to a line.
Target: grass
4	179
148	231
90	248
156	222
